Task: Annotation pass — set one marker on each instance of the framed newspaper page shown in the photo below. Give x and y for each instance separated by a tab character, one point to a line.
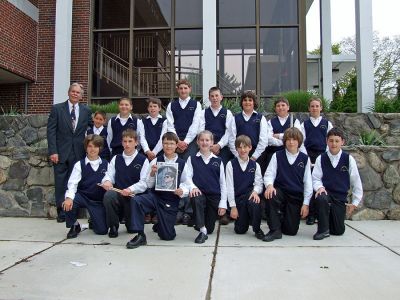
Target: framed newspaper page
166	176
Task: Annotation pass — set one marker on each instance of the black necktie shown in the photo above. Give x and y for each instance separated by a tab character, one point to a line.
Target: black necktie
73	117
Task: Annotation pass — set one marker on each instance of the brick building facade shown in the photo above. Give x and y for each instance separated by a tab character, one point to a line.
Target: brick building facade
27	53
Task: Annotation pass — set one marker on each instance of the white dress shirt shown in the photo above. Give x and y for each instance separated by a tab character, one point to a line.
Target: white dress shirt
76	176
230	187
193	129
123	121
315	122
263	137
355	180
136	188
222	182
76	111
270	174
185	182
225	138
143	141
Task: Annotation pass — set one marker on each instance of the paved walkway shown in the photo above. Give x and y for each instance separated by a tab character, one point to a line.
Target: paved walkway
37	262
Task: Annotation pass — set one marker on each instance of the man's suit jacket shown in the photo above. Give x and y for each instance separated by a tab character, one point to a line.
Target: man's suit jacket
61	138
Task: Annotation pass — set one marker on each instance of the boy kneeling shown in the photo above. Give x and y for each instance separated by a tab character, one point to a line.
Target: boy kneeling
83	190
334	173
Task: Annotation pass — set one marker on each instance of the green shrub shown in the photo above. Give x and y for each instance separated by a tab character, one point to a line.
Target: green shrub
12	111
233	104
371	138
386	106
298	100
111	108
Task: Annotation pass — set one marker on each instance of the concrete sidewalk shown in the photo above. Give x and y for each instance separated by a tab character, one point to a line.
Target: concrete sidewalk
37	262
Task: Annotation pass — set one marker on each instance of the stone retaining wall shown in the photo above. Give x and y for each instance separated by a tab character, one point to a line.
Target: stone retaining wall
27	183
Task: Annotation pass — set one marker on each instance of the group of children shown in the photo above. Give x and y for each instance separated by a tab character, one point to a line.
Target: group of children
225	163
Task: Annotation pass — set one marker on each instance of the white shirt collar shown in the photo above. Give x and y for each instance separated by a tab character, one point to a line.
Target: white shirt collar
184	100
98	129
130	156
290	154
243	161
245	115
95	162
284	119
205	157
332	156
70	105
173	159
315	119
150	117
119	117
217	110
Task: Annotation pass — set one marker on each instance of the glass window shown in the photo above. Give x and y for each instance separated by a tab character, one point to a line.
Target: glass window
110	64
236	12
278	12
112	14
279	60
188	12
156	13
236	60
151	63
188	56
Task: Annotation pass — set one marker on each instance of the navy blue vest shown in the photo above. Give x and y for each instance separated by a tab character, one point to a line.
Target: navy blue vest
217	125
243	181
153	132
251	128
125	175
278	128
336	180
316	136
117	129
206	176
183	118
170	196
290	177
105	153
88	185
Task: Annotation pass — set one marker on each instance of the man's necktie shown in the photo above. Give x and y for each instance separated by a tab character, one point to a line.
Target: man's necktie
73	117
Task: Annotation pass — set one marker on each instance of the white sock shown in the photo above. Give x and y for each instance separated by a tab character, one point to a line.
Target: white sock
203	230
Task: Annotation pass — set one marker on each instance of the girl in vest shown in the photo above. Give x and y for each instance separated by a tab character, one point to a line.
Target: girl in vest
208	188
83	190
288	187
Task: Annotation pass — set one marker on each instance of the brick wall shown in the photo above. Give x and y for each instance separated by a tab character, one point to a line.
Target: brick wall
40	92
18	46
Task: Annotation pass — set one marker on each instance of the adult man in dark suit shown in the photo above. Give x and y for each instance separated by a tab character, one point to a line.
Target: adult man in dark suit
66	127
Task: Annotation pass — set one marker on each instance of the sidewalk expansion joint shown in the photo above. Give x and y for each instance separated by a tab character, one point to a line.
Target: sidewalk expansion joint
27	259
379	243
208	294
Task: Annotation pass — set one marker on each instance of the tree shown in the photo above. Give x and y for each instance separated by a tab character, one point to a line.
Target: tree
386	56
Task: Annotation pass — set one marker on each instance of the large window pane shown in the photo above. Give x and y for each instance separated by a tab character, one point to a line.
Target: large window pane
279	60
110	64
236	12
278	12
188	56
111	14
188	13
152	63
236	60
156	13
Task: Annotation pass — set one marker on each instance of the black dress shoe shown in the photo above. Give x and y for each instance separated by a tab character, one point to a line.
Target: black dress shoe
201	238
185	219
310	220
272	235
138	240
60	219
259	234
155	227
321	236
113	233
73	232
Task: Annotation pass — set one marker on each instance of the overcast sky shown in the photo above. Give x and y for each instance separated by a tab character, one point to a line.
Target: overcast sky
385	20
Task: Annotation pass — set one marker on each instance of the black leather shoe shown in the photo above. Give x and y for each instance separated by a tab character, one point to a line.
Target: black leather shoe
321	236
60	219
260	234
185	219
73	232
113	233
138	240
155	227
272	235
310	220
201	238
